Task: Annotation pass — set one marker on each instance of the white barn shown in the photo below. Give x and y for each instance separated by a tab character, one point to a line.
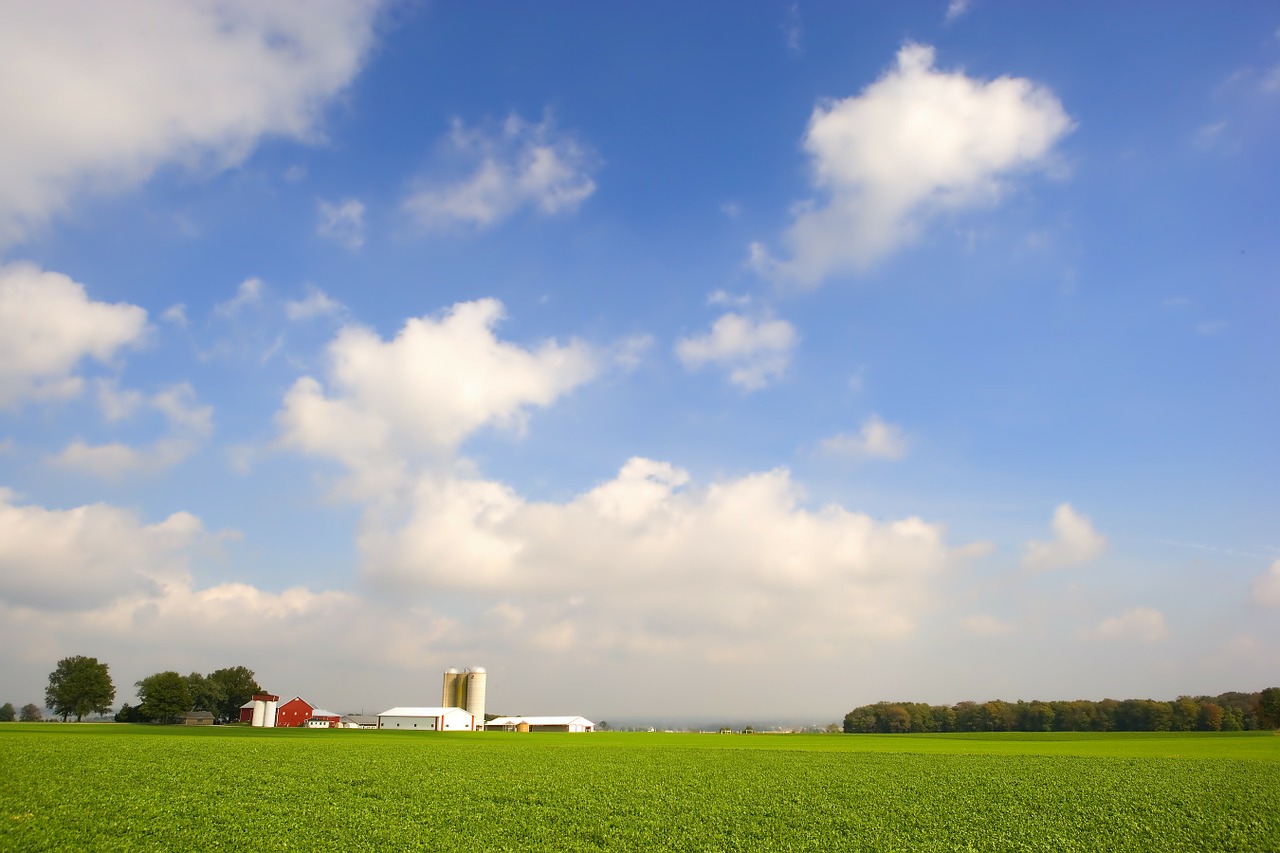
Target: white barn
541	724
428	720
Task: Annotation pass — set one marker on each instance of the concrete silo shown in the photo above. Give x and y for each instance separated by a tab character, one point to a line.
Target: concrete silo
473	692
451	695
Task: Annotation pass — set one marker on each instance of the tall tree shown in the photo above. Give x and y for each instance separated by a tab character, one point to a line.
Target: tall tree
1269	708
164	696
31	713
205	693
235	685
80	685
7	713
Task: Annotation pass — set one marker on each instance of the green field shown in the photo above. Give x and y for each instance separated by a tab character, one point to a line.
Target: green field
114	787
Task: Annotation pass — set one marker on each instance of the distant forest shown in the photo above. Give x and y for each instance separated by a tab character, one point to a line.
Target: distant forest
1230	712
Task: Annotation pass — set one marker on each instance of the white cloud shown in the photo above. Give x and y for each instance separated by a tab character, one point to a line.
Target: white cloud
315	304
956	8
1075	541
731	300
106	93
755	352
521	165
342	222
915	142
646	560
48	325
876	439
1143	624
176	314
422	393
248	293
86	556
187	426
1266	587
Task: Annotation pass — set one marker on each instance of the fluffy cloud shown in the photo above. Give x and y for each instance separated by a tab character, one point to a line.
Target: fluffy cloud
86	556
1075	541
915	142
248	293
1266	587
755	352
342	222
645	560
422	393
105	93
187	423
48	325
521	165
1142	624
876	439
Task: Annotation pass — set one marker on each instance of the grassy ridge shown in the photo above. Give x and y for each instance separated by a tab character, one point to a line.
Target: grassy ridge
145	788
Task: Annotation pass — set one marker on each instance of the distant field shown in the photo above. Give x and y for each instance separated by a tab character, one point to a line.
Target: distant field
114	787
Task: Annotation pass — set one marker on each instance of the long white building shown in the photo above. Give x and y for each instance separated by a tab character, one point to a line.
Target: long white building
429	720
541	724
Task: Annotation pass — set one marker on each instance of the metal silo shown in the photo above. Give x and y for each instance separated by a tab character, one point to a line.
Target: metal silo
259	712
269	717
475	686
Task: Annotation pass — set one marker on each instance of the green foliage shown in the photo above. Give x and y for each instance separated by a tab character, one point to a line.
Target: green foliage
31	713
164	697
232	687
149	788
8	713
80	685
1227	712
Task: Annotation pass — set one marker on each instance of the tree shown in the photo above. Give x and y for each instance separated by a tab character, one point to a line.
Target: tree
31	713
204	692
7	713
164	696
1269	708
234	685
80	685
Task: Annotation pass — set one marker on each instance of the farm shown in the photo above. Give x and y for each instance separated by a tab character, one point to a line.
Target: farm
112	787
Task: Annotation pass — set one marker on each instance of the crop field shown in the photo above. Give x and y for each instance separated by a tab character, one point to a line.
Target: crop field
116	787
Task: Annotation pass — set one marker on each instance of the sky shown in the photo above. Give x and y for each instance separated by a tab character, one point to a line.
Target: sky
665	359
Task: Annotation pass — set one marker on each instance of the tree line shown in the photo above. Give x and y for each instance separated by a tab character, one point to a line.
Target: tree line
1225	712
81	685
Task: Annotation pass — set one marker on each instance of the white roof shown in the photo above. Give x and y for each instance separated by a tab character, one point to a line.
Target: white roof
540	721
320	712
422	712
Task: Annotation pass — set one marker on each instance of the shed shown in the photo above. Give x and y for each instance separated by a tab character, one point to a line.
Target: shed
322	719
427	720
198	718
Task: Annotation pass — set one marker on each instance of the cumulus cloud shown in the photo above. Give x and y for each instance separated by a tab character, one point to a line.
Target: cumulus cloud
1266	587
86	556
187	423
1142	624
916	142
48	325
103	101
342	222
648	559
876	439
422	393
754	352
520	165
1075	541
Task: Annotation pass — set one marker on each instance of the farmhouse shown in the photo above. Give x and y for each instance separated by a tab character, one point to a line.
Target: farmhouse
428	720
541	724
197	718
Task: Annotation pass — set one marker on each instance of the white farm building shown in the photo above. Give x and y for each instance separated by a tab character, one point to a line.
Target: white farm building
541	724
428	720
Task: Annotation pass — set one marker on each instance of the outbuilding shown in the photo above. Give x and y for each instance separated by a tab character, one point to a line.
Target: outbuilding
541	724
427	720
198	718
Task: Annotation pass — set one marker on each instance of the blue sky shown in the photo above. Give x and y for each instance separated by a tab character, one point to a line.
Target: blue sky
651	357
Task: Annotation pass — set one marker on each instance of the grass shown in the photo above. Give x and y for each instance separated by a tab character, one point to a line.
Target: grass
109	787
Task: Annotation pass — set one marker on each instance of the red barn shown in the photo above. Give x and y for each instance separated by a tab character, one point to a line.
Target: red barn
294	713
